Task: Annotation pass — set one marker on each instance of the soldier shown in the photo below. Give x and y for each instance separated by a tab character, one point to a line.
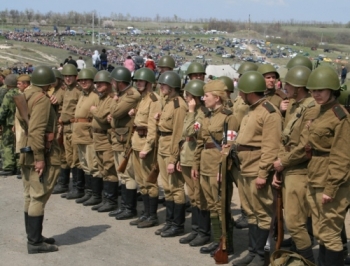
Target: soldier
144	141
122	126
165	63
104	154
82	135
23	82
170	130
299	60
7	121
39	158
292	161
195	71
229	85
257	146
328	173
200	220
207	156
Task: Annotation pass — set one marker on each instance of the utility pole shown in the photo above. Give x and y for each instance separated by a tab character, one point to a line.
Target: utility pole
99	27
93	28
249	27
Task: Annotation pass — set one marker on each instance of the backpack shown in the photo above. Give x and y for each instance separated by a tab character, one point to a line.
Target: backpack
288	258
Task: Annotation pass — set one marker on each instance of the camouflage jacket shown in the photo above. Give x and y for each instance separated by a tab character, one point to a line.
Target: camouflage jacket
8	109
3	91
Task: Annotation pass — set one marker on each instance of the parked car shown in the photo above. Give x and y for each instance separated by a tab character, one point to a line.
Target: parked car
327	59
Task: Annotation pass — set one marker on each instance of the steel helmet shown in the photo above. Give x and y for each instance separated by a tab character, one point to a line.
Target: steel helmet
195	68
299	60
170	78
145	74
93	69
344	98
297	76
57	73
195	87
69	70
11	80
252	81
247	66
121	74
228	82
166	61
85	74
323	77
42	76
102	76
268	68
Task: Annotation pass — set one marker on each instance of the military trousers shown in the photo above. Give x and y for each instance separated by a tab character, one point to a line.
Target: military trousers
194	190
243	197
209	185
296	208
260	201
36	193
87	159
328	219
173	184
70	148
8	149
128	177
106	166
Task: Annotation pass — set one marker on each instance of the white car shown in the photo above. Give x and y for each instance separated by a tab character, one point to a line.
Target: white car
226	56
199	56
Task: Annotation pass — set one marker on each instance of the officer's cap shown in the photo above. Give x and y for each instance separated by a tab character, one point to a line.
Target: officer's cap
24	77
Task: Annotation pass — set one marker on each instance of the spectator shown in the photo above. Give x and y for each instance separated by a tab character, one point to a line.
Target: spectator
72	61
81	63
96	60
138	61
150	63
343	74
129	64
61	66
103	58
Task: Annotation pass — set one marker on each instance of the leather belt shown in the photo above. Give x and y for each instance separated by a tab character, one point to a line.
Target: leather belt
190	139
141	131
99	131
319	153
209	145
69	122
165	133
247	148
82	120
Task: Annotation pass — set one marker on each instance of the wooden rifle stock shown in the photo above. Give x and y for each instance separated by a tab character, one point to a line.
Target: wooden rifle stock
124	163
279	214
153	176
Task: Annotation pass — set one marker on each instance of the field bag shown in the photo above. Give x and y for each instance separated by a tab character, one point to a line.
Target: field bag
288	258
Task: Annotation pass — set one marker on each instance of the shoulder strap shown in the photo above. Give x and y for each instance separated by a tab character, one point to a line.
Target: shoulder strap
153	97
226	111
269	107
205	110
176	103
339	112
281	94
37	99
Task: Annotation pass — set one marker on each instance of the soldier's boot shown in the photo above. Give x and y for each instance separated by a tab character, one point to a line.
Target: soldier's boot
130	205
145	213
309	230
19	173
36	242
203	236
96	197
259	259
78	182
47	240
62	185
178	225
242	221
251	247
334	258
152	219
169	217
194	226
321	260
307	254
110	195
216	230
88	190
122	202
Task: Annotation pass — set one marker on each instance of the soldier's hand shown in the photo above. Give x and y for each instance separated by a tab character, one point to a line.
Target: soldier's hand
275	182
195	174
53	99
142	154
131	112
39	167
260	183
277	165
93	108
157	116
171	168
178	167
284	105
326	199
109	118
191	105
116	98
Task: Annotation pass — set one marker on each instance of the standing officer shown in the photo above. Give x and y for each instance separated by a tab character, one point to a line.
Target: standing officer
126	99
82	135
39	158
258	144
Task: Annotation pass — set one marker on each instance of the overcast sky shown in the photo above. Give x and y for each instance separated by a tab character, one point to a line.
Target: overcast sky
259	10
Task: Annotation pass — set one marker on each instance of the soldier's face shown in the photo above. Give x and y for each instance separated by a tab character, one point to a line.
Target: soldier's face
244	97
270	80
141	85
21	85
165	89
199	76
85	84
69	80
188	96
210	100
290	91
321	96
102	87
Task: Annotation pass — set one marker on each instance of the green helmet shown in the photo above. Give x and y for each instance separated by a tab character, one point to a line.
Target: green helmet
299	60
42	76
166	61
323	77
195	87
85	74
252	81
11	80
344	97
170	78
247	66
297	76
93	69
145	74
195	68
228	82
69	70
102	76
268	68
57	73
121	74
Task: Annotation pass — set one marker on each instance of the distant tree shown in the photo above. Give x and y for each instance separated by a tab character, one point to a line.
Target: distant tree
43	23
347	25
108	24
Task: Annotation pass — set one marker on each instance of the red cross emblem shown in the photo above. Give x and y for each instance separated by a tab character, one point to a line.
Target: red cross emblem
196	126
231	135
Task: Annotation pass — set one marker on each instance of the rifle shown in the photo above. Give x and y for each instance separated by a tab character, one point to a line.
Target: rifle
123	165
153	175
279	214
22	106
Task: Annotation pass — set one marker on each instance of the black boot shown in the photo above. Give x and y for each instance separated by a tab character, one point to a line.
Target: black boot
321	260
96	187
178	225
78	181
203	236
195	226
251	247
62	185
130	205
110	190
152	219
262	235
307	254
88	190
216	230
334	258
309	230
122	202
242	221
49	240
145	214
36	242
169	217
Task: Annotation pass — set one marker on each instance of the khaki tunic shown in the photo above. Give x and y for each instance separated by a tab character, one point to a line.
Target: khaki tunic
275	97
240	109
70	100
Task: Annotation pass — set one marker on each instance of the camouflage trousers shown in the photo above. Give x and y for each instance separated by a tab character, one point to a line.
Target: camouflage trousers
7	149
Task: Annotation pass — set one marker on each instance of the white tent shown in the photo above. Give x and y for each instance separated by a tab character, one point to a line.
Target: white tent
221	70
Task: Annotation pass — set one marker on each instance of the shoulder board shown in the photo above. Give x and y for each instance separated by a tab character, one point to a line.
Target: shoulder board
281	94
226	111
153	97
269	107
176	103
312	104
229	103
339	112
129	92
205	110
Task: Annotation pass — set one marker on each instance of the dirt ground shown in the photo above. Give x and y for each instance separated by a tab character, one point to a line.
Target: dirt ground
86	237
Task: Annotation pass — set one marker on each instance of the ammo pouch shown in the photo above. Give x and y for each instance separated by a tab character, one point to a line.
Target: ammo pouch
122	134
48	138
288	258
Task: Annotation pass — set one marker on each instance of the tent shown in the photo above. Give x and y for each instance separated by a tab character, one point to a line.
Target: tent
221	70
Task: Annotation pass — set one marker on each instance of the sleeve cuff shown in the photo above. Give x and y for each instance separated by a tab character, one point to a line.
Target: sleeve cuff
263	174
39	156
330	191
